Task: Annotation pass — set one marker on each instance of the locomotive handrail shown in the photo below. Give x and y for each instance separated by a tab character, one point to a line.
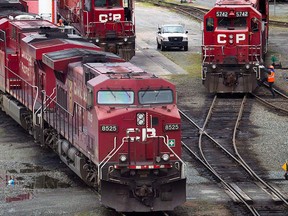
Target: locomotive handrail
183	168
126	139
32	86
93	24
252	50
87	21
107	157
45	101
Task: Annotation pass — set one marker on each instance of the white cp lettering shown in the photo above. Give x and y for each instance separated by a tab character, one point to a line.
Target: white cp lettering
221	38
240	37
109	17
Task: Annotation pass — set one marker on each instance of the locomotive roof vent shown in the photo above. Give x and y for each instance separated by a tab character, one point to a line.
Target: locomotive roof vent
52	32
99	57
26	17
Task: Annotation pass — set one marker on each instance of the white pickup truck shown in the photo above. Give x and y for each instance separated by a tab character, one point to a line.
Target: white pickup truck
172	35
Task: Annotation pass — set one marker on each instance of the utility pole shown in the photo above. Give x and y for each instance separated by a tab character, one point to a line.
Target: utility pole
274	7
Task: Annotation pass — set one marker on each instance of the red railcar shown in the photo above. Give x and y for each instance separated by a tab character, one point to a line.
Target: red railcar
113	124
108	23
235	37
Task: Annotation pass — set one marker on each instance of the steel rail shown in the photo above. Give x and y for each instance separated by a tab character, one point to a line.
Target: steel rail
265	102
208	166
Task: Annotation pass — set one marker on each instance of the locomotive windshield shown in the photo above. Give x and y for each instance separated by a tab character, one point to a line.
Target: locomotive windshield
155	96
228	23
108	3
110	97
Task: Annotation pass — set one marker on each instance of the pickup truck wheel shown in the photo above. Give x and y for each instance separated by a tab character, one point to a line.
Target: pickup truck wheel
162	48
185	48
158	45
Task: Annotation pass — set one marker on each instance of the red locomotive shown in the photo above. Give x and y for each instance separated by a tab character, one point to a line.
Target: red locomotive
235	38
108	23
113	124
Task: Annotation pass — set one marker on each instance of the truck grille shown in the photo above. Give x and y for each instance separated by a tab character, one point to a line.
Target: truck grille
175	39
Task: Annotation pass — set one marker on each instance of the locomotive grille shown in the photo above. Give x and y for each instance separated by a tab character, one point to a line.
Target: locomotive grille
175	39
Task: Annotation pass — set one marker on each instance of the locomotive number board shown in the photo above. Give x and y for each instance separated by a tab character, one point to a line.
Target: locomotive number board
237	14
221	14
242	13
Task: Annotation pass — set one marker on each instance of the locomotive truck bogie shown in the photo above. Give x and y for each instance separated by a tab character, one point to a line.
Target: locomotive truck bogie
224	79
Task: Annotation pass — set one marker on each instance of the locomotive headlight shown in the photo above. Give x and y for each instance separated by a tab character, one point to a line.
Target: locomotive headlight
247	66
140	119
231	36
97	40
214	66
125	39
165	157
231	41
123	158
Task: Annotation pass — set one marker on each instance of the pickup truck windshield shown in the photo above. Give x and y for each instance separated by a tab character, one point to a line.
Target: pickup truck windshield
173	29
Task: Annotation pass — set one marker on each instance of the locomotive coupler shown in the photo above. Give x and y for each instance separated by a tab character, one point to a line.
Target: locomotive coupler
144	194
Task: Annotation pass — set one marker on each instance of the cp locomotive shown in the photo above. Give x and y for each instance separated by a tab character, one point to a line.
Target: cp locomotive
115	125
235	37
109	24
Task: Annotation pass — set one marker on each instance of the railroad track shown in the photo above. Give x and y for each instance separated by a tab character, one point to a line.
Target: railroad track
279	103
198	12
218	151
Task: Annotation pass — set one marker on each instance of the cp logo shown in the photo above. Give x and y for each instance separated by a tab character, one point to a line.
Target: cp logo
109	17
221	38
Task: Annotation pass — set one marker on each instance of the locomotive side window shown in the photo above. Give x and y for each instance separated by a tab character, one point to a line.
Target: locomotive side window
114	3
100	3
87	5
110	97
155	96
254	25
209	24
89	98
108	3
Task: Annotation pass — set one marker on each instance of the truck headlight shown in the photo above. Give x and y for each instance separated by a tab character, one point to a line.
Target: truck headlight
165	39
185	38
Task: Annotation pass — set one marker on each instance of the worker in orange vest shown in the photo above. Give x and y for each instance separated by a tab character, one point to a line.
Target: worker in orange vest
60	23
270	78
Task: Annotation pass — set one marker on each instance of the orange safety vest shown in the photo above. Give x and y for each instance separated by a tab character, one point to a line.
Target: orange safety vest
271	77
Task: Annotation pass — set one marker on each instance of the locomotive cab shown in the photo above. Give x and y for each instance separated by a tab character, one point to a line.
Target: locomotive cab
110	24
140	126
234	42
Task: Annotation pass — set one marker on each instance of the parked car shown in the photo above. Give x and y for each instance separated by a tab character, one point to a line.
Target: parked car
172	35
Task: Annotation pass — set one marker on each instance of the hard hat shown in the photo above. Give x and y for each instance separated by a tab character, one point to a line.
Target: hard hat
271	66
